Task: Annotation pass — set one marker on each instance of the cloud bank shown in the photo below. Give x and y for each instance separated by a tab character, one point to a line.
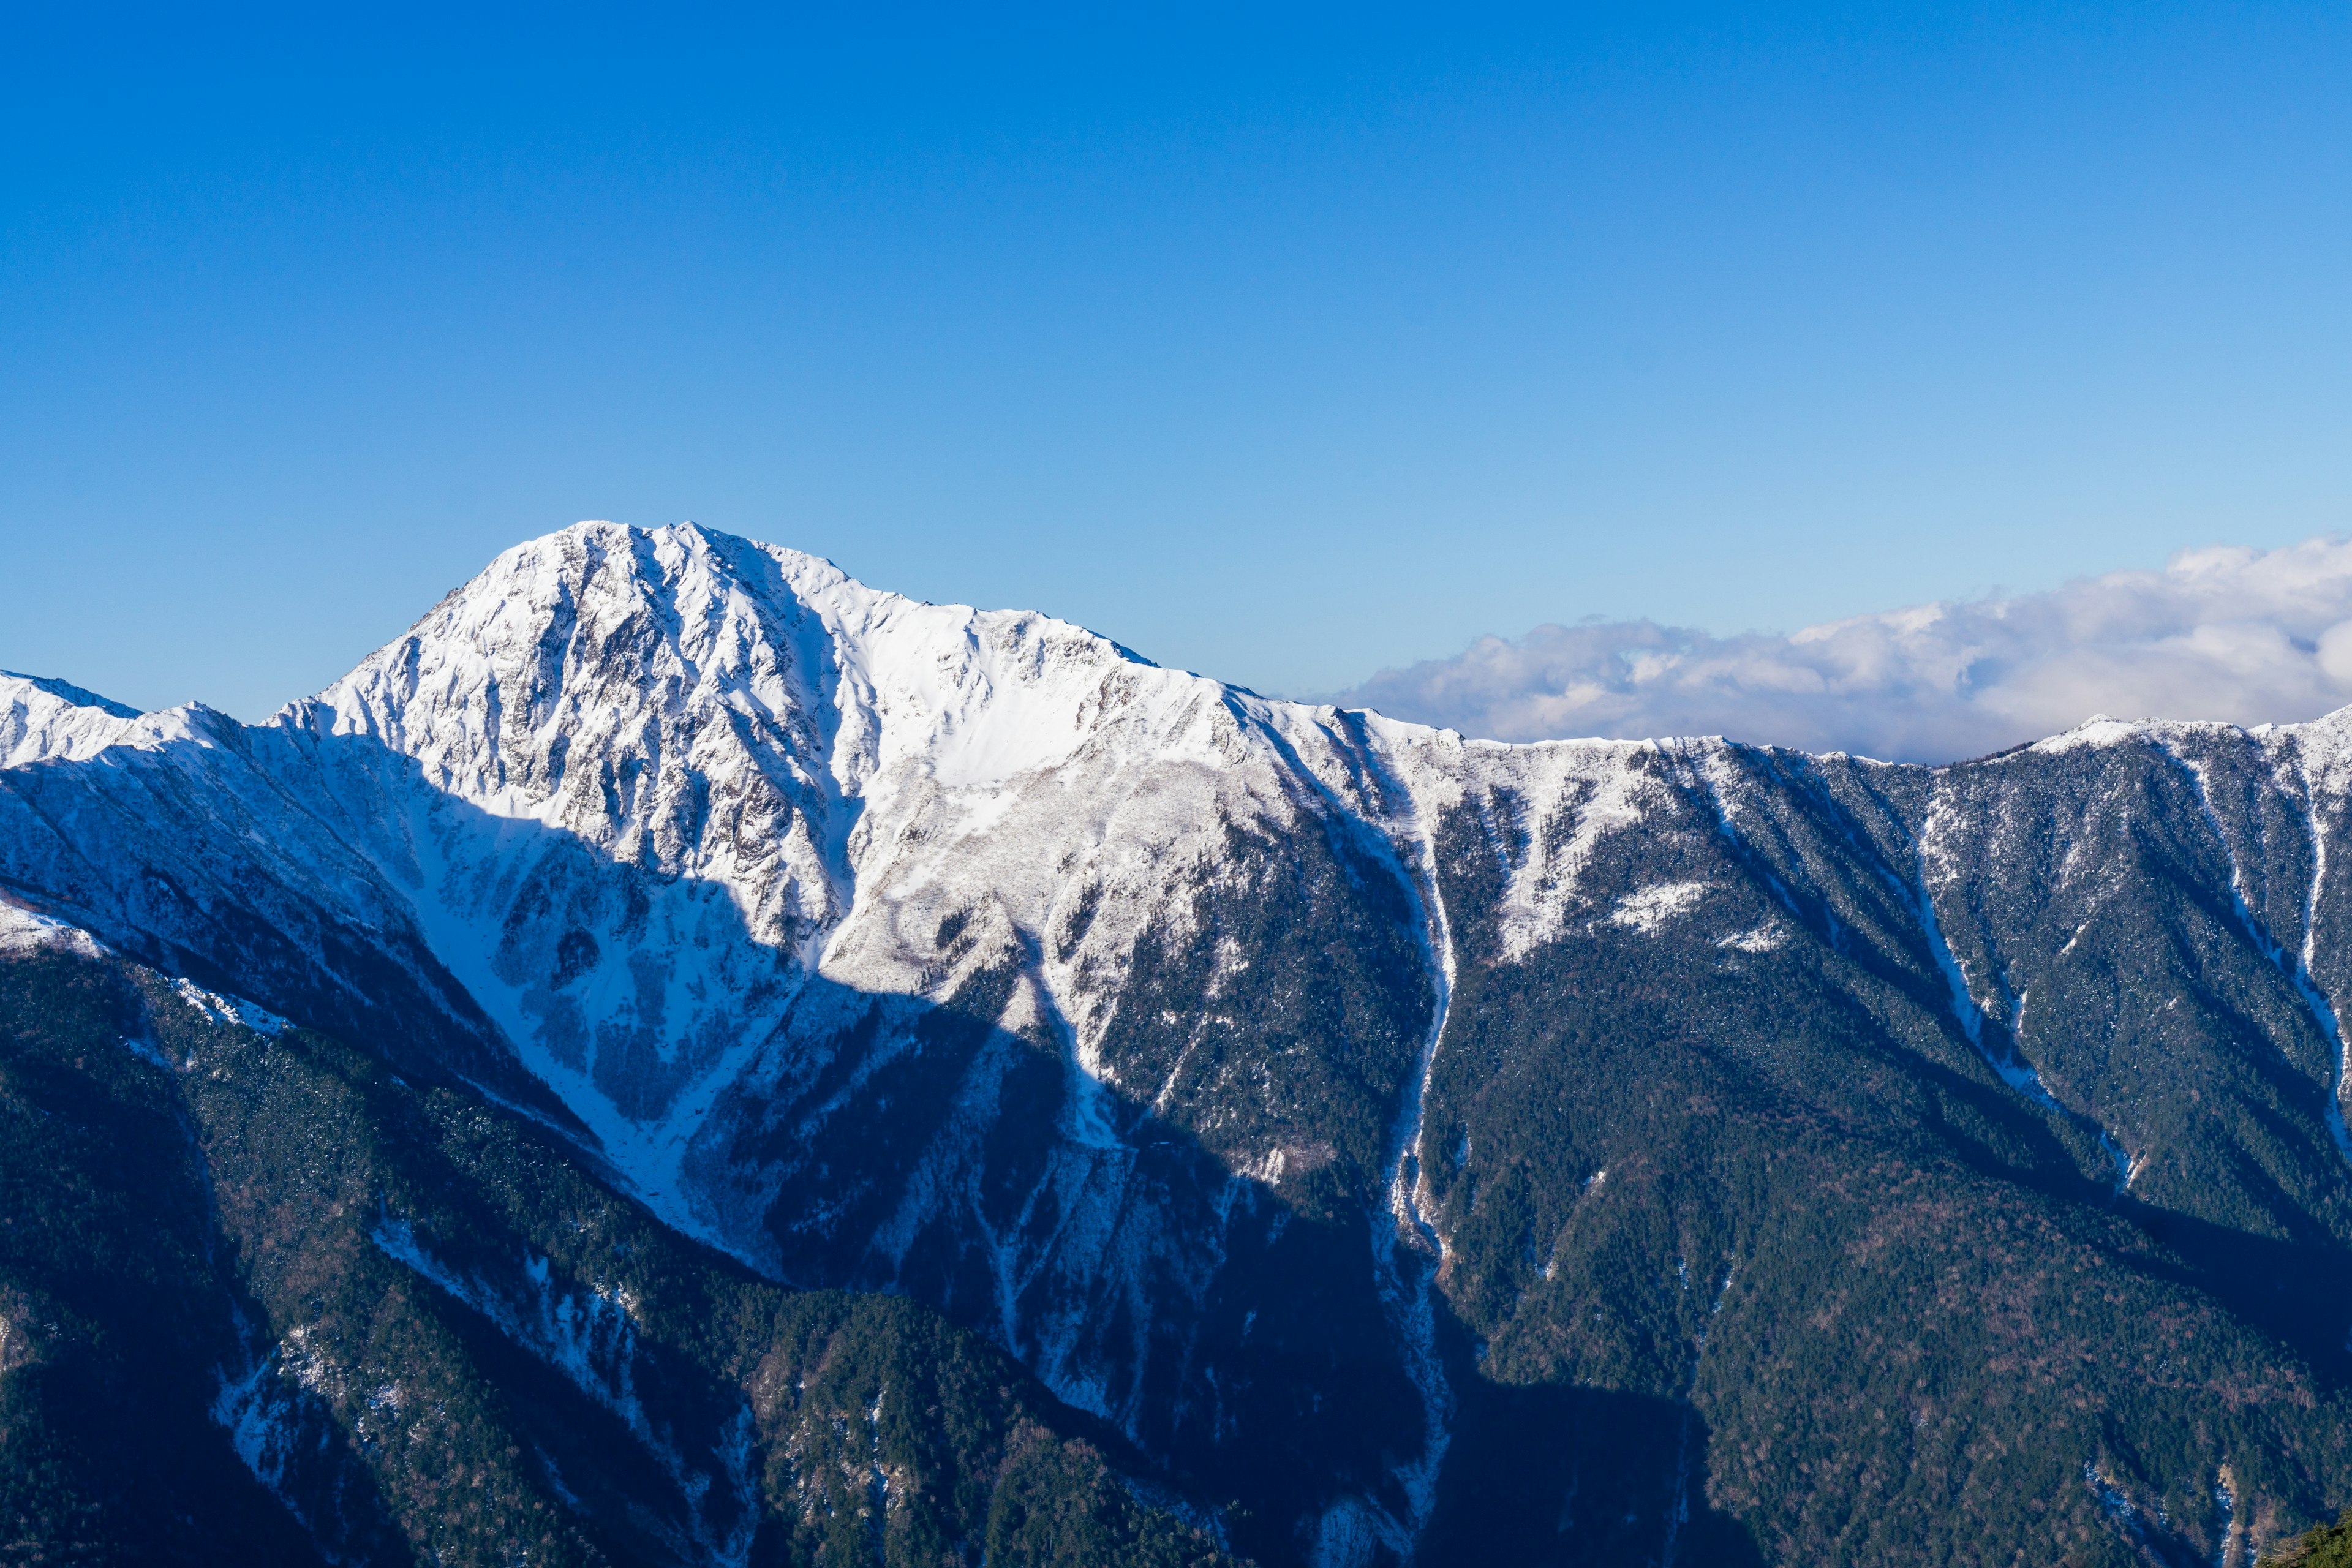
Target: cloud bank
2246	635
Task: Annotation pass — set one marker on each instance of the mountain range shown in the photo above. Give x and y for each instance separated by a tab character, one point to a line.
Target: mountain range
684	1057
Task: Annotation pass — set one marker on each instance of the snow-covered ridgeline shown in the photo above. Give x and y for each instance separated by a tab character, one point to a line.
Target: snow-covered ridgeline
639	786
50	719
770	771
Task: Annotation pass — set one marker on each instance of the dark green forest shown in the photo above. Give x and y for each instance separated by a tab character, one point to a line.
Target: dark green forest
2323	1546
1876	1305
200	1231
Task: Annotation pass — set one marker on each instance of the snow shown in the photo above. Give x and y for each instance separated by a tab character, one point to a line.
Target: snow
29	931
2323	1010
49	721
590	1338
2316	1002
1965	1007
1408	1275
2234	1529
1352	1534
2201	785
1652	908
256	1423
220	1009
2097	732
45	720
2020	1076
1767	938
277	1413
2126	1168
1596	789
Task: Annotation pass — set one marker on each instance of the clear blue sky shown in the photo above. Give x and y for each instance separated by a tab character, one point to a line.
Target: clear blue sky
1281	347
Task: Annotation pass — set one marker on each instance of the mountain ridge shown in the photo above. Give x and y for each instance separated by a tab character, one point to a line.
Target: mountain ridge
1116	1012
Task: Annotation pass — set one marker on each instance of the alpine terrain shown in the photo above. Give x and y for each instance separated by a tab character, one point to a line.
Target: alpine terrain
685	1058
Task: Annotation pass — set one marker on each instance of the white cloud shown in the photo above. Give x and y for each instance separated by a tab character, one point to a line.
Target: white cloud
2240	635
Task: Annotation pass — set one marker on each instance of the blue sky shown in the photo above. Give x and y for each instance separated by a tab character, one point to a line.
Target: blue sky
1283	347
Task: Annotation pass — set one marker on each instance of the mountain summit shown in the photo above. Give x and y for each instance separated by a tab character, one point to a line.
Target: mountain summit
1389	1147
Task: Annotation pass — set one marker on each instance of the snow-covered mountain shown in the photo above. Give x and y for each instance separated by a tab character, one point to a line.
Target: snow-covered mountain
1301	1092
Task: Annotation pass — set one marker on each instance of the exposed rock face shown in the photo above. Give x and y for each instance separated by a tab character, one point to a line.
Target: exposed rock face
1406	1136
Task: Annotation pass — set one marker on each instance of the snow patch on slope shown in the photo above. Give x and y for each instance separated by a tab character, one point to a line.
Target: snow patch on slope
2018	1074
219	1009
1578	793
1651	908
28	931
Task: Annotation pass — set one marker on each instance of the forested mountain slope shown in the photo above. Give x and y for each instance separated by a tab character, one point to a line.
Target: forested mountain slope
261	1299
1403	1147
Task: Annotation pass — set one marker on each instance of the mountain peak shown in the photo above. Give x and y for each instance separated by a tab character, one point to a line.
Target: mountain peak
66	691
42	718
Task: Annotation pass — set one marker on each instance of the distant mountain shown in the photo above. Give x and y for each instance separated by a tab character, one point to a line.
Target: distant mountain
1379	1146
